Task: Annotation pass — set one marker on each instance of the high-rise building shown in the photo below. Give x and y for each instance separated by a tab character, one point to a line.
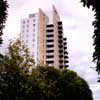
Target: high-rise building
43	35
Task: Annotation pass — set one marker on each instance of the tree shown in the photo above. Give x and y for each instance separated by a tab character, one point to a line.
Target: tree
48	83
3	16
42	83
73	87
96	8
14	71
20	55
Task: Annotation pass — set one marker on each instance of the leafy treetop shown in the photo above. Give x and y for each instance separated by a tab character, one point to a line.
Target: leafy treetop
96	8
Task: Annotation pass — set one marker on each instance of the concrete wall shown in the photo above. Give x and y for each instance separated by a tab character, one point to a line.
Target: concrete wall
56	18
42	21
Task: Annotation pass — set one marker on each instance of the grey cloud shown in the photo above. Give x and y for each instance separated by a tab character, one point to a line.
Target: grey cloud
77	29
96	91
16	4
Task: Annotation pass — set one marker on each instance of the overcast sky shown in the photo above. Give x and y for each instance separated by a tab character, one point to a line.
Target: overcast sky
77	23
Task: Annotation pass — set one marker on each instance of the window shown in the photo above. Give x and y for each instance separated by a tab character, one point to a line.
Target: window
27	30
33	30
33	20
33	39
26	41
32	15
23	26
49	62
50	30
23	31
27	26
34	25
33	35
51	35
50	56
23	21
27	21
26	35
50	25
50	51
50	46
50	40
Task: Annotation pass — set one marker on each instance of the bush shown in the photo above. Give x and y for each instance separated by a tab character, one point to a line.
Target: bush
53	84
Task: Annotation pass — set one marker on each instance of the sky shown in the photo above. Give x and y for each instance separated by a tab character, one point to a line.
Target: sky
77	27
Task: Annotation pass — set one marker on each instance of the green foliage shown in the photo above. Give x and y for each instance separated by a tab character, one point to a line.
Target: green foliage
3	16
67	85
19	55
42	83
14	71
96	8
73	87
47	83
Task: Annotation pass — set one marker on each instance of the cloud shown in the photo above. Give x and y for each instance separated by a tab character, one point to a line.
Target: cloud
96	91
77	23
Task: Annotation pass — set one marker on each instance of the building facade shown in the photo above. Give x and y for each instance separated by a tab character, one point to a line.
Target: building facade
43	35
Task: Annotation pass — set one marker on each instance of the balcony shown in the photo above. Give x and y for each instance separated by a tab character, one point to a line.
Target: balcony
65	47
50	46
50	30
60	31
66	66
49	41
60	41
50	62
65	52
60	36
60	61
60	27
50	35
49	51
65	57
50	56
60	66
60	51
59	23
65	39
50	25
65	43
60	46
61	56
66	61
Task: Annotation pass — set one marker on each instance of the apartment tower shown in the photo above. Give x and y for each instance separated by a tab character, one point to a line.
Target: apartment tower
43	35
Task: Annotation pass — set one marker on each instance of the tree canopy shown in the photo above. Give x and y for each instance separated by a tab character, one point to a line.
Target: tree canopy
42	83
3	16
96	8
14	71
